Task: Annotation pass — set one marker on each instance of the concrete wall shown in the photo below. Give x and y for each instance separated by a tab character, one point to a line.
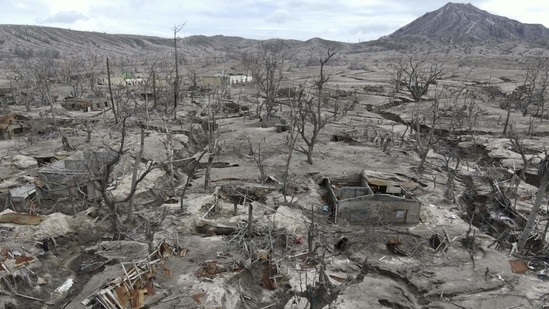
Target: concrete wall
351	192
378	208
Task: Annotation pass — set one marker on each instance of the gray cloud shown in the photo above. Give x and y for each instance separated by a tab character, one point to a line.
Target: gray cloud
65	17
279	17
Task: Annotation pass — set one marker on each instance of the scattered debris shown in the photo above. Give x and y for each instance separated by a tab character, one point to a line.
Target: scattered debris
65	287
41	281
197	297
392	245
346	138
342	244
11	260
210	269
210	228
131	287
12	125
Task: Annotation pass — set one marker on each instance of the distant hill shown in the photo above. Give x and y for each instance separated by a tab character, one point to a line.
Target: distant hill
455	26
459	22
24	41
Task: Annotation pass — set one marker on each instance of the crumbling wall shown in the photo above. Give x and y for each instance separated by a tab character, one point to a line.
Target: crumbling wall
379	208
352	192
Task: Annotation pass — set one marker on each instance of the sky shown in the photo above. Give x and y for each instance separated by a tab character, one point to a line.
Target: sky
340	20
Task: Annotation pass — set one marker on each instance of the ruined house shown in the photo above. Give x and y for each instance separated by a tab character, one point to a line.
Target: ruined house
12	125
6	92
21	197
72	176
85	104
211	81
371	198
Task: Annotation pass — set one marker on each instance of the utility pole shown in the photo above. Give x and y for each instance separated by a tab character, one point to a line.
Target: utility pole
176	29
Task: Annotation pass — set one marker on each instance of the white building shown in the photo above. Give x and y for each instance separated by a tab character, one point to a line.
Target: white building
239	78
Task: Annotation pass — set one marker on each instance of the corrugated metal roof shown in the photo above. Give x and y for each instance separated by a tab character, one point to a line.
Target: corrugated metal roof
22	192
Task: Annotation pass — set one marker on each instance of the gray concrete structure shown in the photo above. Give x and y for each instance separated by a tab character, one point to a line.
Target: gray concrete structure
364	199
72	176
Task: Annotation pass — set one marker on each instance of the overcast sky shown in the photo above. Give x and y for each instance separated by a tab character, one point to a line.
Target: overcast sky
340	20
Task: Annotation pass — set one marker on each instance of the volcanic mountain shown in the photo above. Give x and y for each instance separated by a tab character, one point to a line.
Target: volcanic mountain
459	22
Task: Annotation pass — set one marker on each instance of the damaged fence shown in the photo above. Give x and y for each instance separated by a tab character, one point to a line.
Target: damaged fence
132	286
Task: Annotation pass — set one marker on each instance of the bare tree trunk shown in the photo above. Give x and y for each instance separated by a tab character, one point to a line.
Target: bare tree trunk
507	118
189	178
50	99
250	219
310	149
542	111
544	181
176	29
207	175
154	90
114	110
146	104
286	172
169	146
138	155
311	233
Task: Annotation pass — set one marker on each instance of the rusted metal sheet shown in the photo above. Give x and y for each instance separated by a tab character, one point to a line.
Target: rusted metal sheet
137	299
518	266
122	295
20	218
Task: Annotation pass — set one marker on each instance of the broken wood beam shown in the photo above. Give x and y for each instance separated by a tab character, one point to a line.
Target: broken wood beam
34	298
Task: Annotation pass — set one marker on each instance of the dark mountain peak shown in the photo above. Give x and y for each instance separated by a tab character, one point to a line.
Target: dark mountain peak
461	9
455	22
458	6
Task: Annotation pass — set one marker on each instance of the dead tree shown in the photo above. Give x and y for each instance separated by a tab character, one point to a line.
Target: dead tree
543	174
113	107
508	103
23	85
535	85
449	155
258	155
518	145
310	119
266	69
323	292
103	178
152	227
425	140
149	82
416	75
291	139
170	149
176	29
191	170
134	175
464	110
43	71
210	126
